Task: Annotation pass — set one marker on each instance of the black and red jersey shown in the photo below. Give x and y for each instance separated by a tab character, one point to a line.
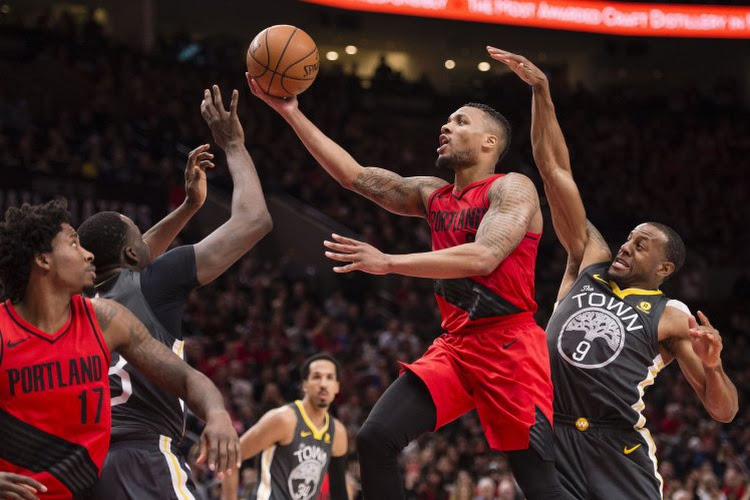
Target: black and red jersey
454	217
54	400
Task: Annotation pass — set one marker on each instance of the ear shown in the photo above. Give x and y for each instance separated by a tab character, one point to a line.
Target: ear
491	141
43	261
129	256
665	270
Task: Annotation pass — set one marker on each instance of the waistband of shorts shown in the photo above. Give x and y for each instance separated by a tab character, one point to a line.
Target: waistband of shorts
498	322
140	441
591	424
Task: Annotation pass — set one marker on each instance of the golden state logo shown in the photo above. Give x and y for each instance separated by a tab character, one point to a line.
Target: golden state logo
591	338
644	306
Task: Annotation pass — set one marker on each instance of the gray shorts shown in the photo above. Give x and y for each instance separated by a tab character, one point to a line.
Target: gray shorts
144	470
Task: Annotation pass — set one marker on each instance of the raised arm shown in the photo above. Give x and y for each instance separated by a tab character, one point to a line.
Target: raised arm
276	426
697	349
161	235
249	220
125	334
513	210
400	195
553	161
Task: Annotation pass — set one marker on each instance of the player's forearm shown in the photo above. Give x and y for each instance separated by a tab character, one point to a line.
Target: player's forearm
547	141
720	394
203	397
462	261
332	157
160	236
230	486
249	211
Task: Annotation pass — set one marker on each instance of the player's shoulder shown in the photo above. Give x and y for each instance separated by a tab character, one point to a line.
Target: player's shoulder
283	415
512	181
673	322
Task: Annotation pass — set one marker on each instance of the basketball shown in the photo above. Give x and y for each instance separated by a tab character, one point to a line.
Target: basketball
283	60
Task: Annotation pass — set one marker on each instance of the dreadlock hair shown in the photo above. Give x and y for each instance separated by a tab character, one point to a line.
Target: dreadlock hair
103	234
25	233
499	120
675	249
305	370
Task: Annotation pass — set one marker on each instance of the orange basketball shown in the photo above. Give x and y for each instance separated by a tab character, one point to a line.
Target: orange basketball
283	60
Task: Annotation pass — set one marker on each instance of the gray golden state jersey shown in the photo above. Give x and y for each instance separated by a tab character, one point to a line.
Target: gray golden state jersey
604	349
140	409
296	471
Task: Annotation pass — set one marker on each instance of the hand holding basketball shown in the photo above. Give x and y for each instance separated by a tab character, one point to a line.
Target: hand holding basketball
283	60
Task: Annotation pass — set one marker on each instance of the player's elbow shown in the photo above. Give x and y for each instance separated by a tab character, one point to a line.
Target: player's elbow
483	261
725	415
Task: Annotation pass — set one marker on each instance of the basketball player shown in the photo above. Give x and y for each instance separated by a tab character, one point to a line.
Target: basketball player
54	351
299	441
492	356
613	330
147	423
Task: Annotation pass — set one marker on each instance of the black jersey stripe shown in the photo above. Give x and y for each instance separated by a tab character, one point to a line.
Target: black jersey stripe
474	298
39	451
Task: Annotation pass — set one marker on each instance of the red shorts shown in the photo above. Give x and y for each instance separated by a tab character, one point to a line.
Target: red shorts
502	370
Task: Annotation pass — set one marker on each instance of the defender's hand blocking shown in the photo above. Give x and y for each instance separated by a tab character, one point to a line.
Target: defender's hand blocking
706	340
521	66
199	160
362	256
220	444
281	106
225	125
18	486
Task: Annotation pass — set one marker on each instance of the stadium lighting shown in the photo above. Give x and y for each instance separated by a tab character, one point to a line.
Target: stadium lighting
351	50
332	55
483	66
450	64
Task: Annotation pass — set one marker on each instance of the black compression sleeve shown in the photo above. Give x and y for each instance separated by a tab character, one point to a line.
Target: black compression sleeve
337	478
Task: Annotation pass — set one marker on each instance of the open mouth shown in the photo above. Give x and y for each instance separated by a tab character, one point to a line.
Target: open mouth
443	141
620	264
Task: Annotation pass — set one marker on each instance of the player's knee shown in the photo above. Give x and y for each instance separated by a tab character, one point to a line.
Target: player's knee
372	439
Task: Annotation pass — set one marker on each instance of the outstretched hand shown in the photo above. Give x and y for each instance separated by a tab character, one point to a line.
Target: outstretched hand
360	255
706	340
281	106
199	160
521	66
225	125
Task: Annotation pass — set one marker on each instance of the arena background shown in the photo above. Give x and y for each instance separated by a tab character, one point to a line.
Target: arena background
99	103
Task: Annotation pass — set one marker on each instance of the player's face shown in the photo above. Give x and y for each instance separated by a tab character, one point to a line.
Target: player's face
69	264
641	258
134	239
461	139
321	386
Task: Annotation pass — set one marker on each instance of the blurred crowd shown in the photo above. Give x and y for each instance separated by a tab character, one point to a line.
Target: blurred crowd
74	104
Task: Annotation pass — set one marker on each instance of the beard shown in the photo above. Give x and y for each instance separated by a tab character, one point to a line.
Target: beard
456	161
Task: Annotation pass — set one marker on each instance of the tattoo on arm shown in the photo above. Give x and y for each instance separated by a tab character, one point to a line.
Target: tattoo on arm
401	195
105	313
513	203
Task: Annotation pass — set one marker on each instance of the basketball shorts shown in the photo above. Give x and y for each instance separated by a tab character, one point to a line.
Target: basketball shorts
596	461
144	470
502	370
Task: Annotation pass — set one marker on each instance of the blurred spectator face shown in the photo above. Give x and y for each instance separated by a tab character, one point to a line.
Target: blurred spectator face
506	490
486	489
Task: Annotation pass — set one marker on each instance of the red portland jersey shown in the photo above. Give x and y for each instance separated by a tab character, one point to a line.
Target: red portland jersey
54	400
454	218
